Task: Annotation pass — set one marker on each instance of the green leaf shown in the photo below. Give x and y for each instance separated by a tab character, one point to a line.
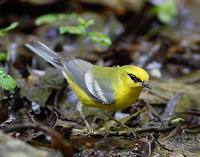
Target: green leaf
1	71
166	11
3	56
78	30
53	79
71	16
90	22
37	94
4	31
11	26
6	81
54	18
100	38
44	19
85	23
81	21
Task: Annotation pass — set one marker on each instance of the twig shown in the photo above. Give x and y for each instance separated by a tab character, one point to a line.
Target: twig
162	146
154	112
19	127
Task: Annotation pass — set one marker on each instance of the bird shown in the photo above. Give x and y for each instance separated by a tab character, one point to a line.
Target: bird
107	88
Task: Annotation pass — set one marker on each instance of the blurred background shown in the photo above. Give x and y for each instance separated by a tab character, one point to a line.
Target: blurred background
161	36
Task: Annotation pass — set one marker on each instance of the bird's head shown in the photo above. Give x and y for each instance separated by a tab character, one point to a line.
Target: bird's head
137	75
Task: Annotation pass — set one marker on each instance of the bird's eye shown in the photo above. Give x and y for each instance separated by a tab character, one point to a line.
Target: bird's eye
134	78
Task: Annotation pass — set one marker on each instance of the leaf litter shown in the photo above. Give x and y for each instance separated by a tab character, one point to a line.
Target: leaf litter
41	111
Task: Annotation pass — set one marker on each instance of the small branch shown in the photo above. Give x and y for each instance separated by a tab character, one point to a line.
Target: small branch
19	127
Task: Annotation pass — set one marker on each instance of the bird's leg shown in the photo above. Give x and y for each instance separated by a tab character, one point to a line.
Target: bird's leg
80	109
121	123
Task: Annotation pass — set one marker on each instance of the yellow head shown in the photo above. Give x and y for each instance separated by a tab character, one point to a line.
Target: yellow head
138	75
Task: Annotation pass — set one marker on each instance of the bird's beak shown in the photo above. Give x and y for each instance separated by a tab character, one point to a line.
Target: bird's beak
146	85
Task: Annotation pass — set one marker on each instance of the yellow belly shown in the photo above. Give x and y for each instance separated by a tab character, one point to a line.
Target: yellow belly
125	97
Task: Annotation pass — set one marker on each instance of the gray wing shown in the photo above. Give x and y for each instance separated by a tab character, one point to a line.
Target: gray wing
104	88
99	88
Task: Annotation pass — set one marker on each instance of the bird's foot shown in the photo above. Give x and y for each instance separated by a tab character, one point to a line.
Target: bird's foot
122	123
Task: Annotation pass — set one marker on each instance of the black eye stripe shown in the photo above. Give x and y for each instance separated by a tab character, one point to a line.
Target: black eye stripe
134	78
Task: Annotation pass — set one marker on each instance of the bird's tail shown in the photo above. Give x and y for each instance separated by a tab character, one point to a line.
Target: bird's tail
46	53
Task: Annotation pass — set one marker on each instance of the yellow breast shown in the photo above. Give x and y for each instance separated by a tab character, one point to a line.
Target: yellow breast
126	93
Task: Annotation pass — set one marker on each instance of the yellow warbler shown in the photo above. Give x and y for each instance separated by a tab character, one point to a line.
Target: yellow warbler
108	88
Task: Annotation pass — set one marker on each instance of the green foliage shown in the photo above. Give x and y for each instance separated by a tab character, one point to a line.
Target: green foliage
85	23
101	38
6	81
3	56
4	31
78	30
166	11
82	29
53	18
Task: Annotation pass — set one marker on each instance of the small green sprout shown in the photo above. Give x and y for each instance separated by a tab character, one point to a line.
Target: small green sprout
5	42
78	30
85	23
6	81
166	11
101	38
54	18
4	31
82	29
